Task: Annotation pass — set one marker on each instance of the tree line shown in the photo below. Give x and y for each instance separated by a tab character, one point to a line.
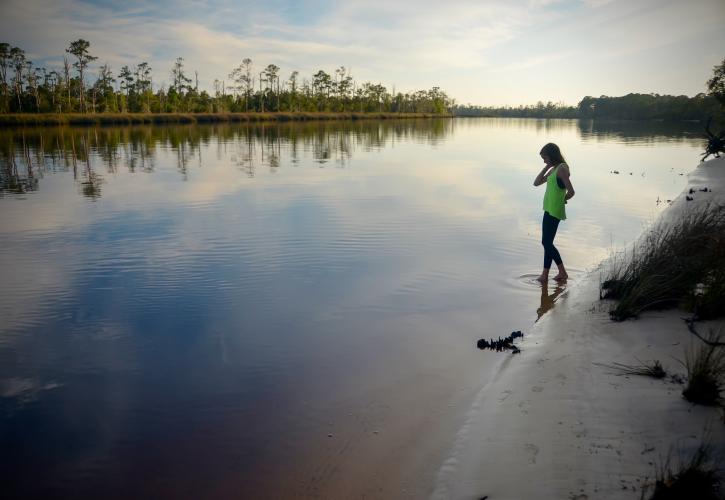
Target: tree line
27	88
629	107
540	110
651	107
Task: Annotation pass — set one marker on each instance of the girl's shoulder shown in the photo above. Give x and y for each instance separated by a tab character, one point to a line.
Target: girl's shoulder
563	166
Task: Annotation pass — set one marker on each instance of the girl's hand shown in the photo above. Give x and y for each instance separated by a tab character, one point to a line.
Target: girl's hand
541	178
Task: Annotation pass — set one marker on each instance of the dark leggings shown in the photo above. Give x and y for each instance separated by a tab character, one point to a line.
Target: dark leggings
548	230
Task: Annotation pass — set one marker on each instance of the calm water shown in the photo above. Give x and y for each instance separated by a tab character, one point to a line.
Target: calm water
267	311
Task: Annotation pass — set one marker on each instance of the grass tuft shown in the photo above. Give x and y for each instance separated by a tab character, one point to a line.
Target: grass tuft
39	119
697	478
705	372
674	264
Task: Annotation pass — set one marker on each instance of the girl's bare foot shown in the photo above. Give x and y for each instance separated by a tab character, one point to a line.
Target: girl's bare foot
542	279
561	277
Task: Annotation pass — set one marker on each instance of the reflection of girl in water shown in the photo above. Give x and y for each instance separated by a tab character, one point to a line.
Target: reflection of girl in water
547	301
558	189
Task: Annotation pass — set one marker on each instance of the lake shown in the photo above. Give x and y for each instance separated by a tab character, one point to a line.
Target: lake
266	311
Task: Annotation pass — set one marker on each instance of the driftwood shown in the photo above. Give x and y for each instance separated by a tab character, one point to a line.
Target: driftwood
691	326
715	142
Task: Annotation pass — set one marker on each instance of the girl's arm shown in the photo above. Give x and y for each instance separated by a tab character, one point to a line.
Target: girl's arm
541	178
563	174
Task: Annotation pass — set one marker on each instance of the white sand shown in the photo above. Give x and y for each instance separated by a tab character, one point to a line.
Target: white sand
552	424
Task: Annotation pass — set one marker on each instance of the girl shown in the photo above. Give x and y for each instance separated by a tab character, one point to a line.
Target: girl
558	189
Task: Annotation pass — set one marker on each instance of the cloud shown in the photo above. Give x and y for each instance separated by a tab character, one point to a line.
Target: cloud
466	47
374	37
537	61
633	29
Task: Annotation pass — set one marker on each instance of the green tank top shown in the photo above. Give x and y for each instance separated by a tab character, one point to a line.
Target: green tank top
554	196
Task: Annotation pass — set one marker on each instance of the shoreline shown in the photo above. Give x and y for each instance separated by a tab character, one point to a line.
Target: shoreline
20	120
79	119
554	423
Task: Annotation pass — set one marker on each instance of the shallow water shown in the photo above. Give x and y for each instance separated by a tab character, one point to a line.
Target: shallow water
283	310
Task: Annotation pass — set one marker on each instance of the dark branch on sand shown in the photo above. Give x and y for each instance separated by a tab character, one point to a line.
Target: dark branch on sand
691	326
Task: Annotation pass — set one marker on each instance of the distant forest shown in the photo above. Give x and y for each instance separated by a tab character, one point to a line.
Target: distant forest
629	107
73	88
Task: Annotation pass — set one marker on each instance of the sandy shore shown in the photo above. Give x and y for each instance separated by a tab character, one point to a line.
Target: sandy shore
554	423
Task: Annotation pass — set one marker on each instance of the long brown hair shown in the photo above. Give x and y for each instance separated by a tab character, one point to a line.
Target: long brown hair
554	153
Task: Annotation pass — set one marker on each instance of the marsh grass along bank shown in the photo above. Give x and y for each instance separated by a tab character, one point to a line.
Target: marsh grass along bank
17	119
680	263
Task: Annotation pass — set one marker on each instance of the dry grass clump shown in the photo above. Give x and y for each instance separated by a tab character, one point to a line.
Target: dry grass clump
705	366
697	478
673	264
652	369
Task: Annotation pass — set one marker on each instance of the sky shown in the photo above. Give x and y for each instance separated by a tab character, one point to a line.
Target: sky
482	52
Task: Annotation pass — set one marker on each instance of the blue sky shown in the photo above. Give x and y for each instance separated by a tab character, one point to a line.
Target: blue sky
487	52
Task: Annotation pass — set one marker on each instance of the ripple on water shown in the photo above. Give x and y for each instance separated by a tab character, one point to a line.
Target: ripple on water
527	281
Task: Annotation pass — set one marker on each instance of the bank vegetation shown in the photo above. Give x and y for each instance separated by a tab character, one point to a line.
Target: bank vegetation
80	88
